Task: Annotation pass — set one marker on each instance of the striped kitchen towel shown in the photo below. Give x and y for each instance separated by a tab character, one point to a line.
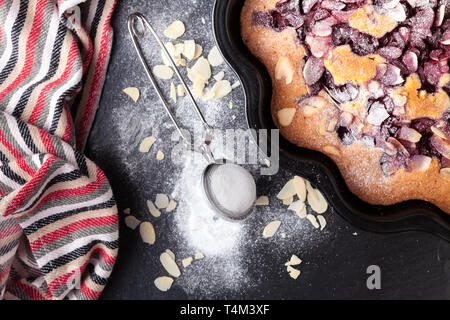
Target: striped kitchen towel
58	218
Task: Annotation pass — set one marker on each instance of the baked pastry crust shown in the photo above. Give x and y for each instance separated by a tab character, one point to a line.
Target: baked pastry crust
359	164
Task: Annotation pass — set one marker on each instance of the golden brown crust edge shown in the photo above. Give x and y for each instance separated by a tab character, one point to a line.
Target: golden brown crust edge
358	164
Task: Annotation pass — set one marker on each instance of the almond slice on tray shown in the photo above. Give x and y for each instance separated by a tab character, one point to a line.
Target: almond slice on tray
147	232
288	201
198	51
132	222
313	220
294	273
199	256
163	72
175	30
317	201
160	155
161	201
173	92
214	57
132	92
235	85
163	283
146	144
169	264
294	261
299	208
322	221
221	89
262	201
300	188
170	253
219	76
171	206
152	209
180	90
270	229
287	191
187	262
189	49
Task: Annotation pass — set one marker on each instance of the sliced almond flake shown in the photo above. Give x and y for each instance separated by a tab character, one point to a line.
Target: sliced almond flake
163	283
299	208
262	201
283	235
288	201
221	88
127	211
181	62
198	51
286	115
308	185
146	144
203	20
233	117
160	155
175	30
235	85
189	49
219	76
294	261
171	206
169	264
173	92
214	57
287	191
132	222
231	105
180	90
187	262
198	89
322	222
147	232
203	69
179	49
161	201
317	201
171	254
132	92
267	162
199	256
170	48
284	69
300	188
313	220
152	209
271	229
163	72
294	273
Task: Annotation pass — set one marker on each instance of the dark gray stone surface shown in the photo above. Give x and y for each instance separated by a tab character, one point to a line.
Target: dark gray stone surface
413	265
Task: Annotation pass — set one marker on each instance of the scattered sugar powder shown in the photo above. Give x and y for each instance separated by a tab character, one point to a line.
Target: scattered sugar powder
200	230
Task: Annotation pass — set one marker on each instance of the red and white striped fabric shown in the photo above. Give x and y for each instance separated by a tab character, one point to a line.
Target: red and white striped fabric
58	218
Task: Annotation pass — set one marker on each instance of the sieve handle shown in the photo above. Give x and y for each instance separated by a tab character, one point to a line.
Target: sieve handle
136	34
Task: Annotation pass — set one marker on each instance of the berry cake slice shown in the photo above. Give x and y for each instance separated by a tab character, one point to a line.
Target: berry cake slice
366	82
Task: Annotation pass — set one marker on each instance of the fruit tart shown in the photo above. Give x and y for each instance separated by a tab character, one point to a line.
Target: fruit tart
366	82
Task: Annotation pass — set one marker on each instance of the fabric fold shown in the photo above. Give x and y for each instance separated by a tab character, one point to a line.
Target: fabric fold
58	217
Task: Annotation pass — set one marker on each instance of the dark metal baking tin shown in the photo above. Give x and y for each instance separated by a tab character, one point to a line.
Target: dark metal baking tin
318	168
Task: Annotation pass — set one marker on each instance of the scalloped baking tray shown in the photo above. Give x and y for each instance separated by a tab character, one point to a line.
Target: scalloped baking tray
412	215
